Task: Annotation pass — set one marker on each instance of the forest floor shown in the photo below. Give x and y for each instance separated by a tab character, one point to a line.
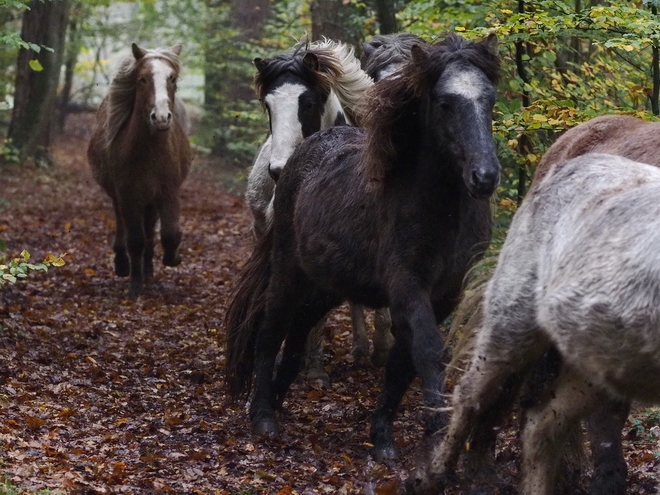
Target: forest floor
103	394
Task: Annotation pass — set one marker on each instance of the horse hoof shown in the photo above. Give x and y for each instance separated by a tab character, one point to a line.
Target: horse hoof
318	378
122	268
387	453
420	483
171	260
265	427
379	358
360	354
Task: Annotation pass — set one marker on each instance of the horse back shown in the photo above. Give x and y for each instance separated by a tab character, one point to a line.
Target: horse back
620	135
328	215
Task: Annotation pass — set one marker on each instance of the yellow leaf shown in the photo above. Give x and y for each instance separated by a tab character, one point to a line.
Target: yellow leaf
628	48
35	65
460	28
507	11
539	118
25	255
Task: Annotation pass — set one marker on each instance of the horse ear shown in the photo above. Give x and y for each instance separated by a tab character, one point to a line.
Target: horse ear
491	43
176	49
370	46
260	63
138	52
419	55
311	61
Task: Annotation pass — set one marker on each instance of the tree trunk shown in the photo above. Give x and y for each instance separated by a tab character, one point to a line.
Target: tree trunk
386	16
35	91
331	18
74	45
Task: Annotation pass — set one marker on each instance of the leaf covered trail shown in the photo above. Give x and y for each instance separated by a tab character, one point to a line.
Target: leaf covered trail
101	394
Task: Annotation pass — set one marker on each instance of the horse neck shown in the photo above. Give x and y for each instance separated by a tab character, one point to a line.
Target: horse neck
333	112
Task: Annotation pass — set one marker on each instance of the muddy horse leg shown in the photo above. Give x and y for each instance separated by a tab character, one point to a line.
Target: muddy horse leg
308	317
383	338
122	265
360	339
150	219
170	232
282	305
610	469
316	374
546	430
503	354
418	350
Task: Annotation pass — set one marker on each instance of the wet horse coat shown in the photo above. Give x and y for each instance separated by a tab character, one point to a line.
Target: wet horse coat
579	271
390	216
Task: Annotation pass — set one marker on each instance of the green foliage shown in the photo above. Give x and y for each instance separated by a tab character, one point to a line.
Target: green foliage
562	66
18	268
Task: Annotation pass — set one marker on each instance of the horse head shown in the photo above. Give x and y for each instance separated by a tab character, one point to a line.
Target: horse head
297	91
156	86
460	108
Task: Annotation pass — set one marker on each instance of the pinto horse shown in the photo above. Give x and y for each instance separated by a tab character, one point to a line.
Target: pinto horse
316	86
578	271
389	216
140	154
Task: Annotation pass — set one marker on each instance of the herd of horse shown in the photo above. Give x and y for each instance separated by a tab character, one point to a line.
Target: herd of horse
374	187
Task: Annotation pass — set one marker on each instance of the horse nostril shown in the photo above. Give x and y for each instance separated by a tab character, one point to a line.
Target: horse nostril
153	116
169	116
274	173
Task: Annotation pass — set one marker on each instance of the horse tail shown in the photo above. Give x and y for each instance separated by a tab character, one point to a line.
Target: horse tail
244	316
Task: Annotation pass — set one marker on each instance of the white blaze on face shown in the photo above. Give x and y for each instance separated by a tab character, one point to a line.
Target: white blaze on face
468	84
465	83
331	110
286	129
161	71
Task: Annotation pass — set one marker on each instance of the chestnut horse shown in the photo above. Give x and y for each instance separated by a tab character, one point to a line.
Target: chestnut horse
140	155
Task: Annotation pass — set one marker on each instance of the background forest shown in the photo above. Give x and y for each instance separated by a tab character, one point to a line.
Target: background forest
101	394
564	61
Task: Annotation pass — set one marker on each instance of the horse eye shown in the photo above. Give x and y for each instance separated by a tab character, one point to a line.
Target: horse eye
142	80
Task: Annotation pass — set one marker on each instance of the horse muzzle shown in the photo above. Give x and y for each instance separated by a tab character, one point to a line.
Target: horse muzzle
483	181
161	122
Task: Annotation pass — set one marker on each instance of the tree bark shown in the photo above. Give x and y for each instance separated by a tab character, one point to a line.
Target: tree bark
331	18
386	16
35	92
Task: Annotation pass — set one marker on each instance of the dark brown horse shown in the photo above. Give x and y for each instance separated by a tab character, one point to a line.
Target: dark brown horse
392	215
140	155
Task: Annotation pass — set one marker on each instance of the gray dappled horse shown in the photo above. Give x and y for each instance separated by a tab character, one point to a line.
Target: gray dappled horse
579	271
390	216
140	154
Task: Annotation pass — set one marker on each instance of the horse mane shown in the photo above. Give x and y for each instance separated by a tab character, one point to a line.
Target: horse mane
392	103
388	49
121	96
339	70
353	82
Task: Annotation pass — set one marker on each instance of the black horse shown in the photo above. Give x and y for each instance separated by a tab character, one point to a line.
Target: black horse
393	215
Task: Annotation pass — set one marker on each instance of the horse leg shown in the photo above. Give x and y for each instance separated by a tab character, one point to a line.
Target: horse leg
418	349
383	338
399	374
136	242
308	316
610	469
360	339
545	433
316	374
150	219
170	232
504	352
282	304
122	265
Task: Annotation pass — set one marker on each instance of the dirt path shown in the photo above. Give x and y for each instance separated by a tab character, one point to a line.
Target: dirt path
99	394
